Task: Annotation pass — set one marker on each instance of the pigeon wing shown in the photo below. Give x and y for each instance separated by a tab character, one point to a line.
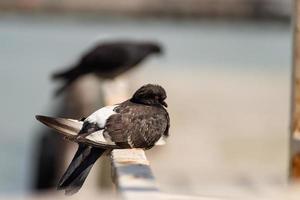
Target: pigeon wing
71	128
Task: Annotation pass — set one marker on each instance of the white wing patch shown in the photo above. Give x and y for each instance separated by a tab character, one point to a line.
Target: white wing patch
98	137
100	117
161	141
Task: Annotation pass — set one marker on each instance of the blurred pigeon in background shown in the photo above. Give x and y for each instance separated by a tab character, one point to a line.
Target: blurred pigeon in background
139	122
108	60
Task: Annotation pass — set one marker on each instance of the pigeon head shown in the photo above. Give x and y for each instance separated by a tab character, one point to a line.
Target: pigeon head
153	47
150	95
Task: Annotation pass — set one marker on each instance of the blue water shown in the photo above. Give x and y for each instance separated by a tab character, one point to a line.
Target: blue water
33	46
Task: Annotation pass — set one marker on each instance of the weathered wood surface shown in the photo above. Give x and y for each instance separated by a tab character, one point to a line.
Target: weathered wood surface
295	108
134	179
132	174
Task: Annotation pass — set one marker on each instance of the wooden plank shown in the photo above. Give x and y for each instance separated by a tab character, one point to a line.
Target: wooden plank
134	179
295	104
132	174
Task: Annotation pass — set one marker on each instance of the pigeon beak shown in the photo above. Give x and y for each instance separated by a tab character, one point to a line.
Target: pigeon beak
164	103
160	53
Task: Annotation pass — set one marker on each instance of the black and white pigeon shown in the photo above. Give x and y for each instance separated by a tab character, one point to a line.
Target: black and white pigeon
139	122
108	60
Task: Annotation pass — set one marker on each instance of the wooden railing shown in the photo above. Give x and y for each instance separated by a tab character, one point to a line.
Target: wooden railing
132	174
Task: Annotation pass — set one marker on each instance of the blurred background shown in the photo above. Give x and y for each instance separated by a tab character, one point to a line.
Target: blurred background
226	70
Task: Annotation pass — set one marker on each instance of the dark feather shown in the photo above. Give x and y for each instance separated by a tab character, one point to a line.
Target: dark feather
137	125
74	177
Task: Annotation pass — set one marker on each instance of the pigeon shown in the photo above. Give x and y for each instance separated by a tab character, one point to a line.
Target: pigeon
138	122
108	60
